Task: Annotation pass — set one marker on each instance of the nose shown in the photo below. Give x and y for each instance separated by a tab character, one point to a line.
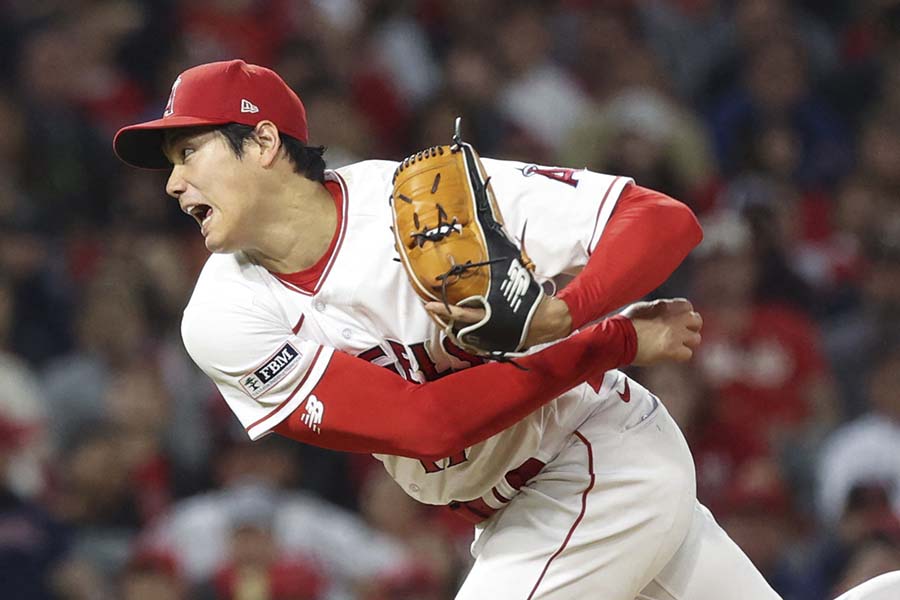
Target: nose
176	185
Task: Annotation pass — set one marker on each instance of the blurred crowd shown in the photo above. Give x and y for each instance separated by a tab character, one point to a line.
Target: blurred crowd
123	475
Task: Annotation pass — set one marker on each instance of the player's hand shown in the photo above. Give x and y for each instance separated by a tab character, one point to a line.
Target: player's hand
666	330
551	321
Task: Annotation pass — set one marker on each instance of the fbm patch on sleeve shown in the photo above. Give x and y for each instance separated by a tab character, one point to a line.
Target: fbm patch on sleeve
271	371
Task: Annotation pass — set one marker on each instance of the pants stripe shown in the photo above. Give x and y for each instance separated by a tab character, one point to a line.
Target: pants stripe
584	495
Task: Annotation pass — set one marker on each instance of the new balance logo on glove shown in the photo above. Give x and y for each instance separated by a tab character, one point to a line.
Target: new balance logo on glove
515	285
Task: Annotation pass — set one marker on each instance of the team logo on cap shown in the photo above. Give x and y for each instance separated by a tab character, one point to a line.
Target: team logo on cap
170	105
248	107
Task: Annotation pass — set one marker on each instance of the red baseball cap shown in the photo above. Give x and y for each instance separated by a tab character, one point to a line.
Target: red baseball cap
214	94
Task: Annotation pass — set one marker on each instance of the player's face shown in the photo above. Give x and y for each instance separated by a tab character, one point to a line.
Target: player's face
214	186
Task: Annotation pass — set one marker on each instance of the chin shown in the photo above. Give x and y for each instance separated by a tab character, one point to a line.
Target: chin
217	246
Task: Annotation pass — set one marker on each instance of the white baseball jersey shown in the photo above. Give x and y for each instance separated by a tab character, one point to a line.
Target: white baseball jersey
266	343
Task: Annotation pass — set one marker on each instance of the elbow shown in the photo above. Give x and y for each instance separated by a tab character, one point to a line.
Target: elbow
441	445
692	229
446	447
434	438
683	225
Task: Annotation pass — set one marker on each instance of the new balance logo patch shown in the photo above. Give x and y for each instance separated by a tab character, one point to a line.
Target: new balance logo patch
314	412
270	372
515	285
248	107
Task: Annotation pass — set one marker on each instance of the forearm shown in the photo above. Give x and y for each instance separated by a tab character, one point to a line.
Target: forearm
647	237
387	415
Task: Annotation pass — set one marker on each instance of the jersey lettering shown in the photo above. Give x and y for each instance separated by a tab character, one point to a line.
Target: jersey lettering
560	174
427	366
457	352
377	356
405	365
451	461
372	354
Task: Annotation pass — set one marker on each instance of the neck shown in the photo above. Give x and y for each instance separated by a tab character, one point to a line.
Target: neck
300	230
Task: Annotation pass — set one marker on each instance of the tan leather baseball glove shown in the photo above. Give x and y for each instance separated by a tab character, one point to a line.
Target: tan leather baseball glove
450	237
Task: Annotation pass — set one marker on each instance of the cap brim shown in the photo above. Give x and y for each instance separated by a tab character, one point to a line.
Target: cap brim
141	145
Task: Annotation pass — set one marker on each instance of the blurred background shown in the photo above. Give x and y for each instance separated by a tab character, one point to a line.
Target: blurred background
123	475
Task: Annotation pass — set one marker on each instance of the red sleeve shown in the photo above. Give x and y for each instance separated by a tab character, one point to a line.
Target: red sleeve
647	237
367	408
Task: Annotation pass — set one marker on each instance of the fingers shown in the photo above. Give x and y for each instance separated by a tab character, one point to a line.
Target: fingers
682	314
695	321
682	354
674	306
685	351
690	341
684	330
456	313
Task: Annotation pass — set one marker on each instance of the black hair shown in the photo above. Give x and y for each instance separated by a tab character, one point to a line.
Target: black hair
308	160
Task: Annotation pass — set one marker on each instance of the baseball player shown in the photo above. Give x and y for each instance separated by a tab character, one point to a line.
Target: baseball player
578	481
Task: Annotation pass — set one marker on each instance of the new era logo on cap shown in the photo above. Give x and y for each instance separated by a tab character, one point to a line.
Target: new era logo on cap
248	107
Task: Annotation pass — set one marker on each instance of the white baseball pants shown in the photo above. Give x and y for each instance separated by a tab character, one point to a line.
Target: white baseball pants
613	517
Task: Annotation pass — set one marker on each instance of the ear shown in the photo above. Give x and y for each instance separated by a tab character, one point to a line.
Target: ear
269	142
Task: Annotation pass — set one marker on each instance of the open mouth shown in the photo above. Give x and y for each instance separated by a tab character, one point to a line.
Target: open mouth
200	212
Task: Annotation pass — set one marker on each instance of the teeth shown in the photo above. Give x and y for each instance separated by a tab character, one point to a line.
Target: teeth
200	212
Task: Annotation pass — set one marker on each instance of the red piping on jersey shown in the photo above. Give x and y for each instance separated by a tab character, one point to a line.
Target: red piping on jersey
600	211
298	281
584	495
293	393
299	324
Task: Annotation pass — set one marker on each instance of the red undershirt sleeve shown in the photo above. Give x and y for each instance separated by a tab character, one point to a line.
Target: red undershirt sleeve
646	238
367	408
